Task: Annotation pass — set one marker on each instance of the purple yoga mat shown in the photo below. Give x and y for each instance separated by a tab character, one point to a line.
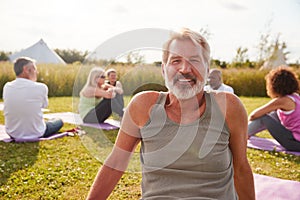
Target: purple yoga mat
5	138
105	126
267	187
268	145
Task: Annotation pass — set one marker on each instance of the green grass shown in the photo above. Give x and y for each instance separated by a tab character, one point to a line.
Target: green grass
65	168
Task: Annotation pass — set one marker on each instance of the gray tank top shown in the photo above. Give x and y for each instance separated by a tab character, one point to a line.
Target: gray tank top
190	161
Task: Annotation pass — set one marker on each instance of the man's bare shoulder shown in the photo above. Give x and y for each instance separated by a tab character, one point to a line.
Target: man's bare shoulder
228	102
144	99
223	95
140	106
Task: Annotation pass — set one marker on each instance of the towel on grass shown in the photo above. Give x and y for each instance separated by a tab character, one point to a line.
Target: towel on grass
74	118
268	144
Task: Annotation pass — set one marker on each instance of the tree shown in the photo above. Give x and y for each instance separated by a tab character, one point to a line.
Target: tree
205	33
135	58
71	56
241	55
4	56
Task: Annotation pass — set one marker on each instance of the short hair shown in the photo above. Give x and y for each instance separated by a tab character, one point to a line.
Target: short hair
111	70
282	81
20	63
186	33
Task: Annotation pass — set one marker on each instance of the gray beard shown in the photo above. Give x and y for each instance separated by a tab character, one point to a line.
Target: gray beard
186	91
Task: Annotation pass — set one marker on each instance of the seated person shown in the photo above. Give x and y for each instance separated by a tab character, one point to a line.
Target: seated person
95	98
117	103
280	116
24	99
215	82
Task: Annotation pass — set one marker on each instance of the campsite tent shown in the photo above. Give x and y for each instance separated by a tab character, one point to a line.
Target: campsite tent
276	59
40	52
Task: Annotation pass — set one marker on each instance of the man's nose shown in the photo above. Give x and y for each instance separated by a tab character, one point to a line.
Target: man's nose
185	67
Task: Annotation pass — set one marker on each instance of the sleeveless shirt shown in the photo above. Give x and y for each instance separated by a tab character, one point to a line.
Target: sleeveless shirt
86	104
189	161
292	120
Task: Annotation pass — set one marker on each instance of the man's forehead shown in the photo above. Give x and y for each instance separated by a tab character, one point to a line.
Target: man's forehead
177	56
184	48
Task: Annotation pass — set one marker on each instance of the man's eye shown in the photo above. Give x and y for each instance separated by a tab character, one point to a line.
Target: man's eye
195	61
175	61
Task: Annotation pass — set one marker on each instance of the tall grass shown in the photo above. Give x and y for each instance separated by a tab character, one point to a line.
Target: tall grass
68	80
246	82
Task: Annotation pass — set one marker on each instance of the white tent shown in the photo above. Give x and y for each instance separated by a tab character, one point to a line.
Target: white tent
40	52
276	59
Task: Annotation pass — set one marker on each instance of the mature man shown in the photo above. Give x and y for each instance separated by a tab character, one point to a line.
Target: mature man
193	143
24	99
215	82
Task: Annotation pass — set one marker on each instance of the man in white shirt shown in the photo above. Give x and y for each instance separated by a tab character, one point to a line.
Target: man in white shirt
24	99
215	82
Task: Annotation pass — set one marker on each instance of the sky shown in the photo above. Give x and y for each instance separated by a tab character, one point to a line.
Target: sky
84	25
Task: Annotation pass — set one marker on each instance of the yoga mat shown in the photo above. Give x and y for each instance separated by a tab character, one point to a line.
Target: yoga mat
5	138
74	118
268	144
105	126
269	188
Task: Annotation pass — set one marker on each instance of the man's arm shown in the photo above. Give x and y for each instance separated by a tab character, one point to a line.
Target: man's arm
45	96
135	117
236	118
114	167
119	88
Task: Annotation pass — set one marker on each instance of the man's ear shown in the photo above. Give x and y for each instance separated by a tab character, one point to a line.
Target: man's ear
26	69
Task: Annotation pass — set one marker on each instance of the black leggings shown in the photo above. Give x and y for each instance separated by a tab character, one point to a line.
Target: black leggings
100	113
272	123
117	104
280	133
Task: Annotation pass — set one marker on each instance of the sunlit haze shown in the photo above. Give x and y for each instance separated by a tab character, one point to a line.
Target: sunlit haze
84	25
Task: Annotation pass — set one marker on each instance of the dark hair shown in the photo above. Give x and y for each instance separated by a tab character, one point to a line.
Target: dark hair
20	63
282	81
109	71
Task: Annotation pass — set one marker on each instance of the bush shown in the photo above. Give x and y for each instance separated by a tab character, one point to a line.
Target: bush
246	82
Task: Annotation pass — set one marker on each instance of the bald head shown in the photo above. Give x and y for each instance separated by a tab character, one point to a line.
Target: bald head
215	78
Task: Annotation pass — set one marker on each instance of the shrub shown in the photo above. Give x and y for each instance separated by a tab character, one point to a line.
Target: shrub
246	82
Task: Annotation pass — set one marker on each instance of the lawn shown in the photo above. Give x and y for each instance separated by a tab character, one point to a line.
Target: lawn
65	168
